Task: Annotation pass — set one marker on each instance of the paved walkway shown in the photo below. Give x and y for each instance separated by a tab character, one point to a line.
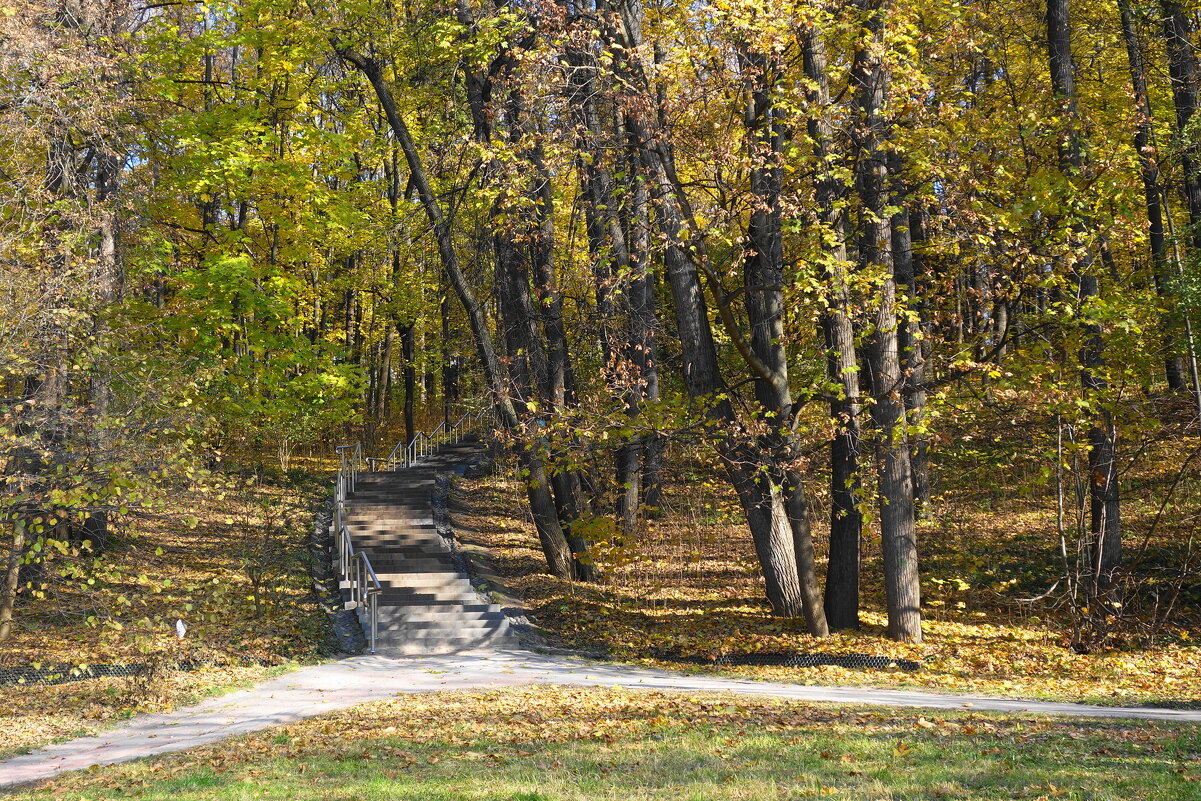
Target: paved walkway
324	688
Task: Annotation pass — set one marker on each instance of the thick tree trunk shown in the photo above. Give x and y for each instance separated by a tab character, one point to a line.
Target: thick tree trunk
764	280
762	501
909	331
685	256
898	529
1185	73
842	364
527	241
12	576
643	326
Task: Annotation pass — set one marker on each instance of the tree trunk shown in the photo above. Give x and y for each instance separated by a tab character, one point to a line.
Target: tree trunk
915	370
898	530
642	335
685	256
764	281
842	364
1184	73
909	331
408	379
550	534
12	576
1152	191
1105	524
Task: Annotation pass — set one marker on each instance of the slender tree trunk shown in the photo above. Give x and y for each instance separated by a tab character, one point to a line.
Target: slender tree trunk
1105	547
1152	190
546	521
450	363
611	268
408	379
915	370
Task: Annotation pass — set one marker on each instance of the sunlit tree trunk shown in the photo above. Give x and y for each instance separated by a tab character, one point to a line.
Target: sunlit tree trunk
898	530
842	363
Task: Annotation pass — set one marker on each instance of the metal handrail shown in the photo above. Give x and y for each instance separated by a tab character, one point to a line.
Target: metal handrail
404	455
355	572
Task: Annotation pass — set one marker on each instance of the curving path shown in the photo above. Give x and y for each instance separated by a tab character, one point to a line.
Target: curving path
319	689
313	691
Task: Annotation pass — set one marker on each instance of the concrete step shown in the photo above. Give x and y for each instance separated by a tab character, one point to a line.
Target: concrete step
453	646
408	534
437	628
409	562
396	528
439	579
472	606
433	638
458	592
458	611
409	565
427	550
388	511
418	596
384	497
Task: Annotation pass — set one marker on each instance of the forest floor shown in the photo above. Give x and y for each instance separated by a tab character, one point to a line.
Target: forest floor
563	743
687	588
227	556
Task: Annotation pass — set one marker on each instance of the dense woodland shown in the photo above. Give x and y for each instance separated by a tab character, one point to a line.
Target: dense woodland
823	244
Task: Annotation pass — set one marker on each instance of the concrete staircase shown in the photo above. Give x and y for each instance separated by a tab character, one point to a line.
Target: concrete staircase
427	605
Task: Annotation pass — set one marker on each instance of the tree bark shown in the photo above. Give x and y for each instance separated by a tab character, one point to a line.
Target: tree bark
642	334
1105	521
1152	190
898	530
842	364
909	331
764	281
1184	73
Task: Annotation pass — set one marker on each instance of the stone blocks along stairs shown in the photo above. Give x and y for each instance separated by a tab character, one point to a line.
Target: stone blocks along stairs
427	605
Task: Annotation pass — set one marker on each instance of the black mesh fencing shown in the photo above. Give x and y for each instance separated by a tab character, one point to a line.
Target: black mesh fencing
43	674
797	660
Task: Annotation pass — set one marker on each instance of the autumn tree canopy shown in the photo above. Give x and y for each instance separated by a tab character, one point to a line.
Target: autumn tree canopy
819	239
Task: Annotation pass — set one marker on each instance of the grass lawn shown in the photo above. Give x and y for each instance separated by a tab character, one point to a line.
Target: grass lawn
554	744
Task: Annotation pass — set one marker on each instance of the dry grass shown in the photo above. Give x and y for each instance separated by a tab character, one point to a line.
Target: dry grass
227	557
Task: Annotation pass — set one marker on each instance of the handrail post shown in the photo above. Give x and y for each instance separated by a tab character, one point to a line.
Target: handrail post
374	612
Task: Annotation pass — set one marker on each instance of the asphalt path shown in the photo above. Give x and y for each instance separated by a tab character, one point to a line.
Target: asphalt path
312	691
